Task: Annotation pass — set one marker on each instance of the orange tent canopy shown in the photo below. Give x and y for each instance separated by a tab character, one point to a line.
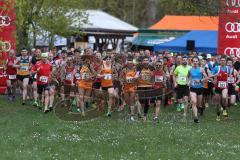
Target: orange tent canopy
170	22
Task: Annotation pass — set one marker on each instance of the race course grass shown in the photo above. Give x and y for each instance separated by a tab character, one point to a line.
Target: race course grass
26	133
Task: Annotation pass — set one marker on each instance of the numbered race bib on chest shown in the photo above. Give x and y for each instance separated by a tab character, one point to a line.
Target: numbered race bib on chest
43	79
129	79
222	84
78	76
69	77
196	82
24	68
182	78
231	80
108	76
12	76
145	77
158	78
85	76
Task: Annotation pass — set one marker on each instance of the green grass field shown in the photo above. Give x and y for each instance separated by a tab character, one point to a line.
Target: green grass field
26	133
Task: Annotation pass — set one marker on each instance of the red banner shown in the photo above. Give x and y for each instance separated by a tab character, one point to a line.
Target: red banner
7	25
229	28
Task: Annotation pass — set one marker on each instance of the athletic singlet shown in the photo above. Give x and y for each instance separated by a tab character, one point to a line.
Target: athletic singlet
24	66
145	78
196	75
106	81
69	75
129	84
85	81
222	78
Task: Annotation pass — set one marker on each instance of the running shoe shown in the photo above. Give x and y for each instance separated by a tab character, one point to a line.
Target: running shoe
182	106
78	110
140	116
206	105
132	118
83	114
225	114
35	103
156	120
23	103
218	118
94	105
196	120
13	98
109	114
46	111
178	108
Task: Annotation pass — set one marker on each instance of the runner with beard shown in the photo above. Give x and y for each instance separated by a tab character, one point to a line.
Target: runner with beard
221	74
60	63
181	74
11	72
145	85
68	73
128	77
160	78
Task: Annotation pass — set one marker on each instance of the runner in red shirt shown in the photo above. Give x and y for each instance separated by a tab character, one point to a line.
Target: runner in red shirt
68	73
43	70
11	72
160	78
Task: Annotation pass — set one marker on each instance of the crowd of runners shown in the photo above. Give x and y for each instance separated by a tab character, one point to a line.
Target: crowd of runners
134	80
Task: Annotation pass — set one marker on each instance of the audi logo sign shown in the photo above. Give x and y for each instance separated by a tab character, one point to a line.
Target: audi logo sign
233	3
232	27
5	21
5	46
231	51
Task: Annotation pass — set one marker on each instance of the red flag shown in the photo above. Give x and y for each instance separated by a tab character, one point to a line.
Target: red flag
229	28
7	25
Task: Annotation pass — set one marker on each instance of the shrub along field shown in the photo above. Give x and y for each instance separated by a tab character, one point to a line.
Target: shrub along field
27	133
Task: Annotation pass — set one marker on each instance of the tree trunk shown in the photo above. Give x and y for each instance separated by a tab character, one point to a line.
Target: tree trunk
151	12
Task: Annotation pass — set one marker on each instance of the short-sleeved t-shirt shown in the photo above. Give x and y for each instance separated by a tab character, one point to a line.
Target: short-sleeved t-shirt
182	73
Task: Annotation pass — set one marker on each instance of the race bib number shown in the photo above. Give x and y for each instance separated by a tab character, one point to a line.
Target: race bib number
231	80
196	83
129	79
24	68
12	76
145	77
43	79
78	76
85	76
222	84
158	78
108	76
69	77
182	78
